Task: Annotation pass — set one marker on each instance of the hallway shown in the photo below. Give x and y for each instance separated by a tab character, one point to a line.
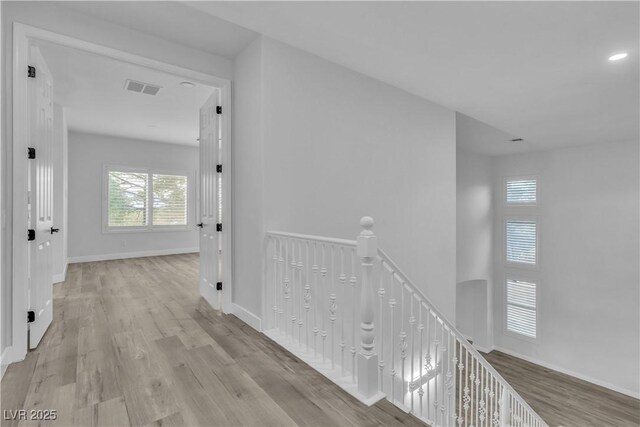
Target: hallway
132	344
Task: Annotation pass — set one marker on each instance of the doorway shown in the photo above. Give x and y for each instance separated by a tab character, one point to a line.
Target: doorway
210	189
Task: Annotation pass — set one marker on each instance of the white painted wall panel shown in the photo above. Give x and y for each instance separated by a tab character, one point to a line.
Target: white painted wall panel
87	156
338	145
589	273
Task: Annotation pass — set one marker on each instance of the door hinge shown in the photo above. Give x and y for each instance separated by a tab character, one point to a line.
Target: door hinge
219	286
31	72
219	227
31	153
219	109
31	316
31	234
219	168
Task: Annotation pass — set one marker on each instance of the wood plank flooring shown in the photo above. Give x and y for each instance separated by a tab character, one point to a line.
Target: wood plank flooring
131	343
563	400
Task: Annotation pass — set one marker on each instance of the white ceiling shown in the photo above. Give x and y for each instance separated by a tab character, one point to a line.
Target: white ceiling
171	21
91	88
537	70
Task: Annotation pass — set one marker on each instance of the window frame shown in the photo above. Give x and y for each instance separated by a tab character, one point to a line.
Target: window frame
515	264
523	278
149	228
506	179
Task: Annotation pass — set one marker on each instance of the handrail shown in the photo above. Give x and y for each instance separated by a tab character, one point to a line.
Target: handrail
320	239
458	334
311	287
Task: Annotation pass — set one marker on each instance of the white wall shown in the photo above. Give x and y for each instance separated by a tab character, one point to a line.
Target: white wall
472	312
338	145
474	246
88	154
49	16
247	194
474	216
589	296
60	193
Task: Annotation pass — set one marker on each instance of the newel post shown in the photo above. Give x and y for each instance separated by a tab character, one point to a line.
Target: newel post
367	358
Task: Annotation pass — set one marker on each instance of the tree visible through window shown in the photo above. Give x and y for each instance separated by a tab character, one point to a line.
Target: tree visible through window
127	199
143	199
169	200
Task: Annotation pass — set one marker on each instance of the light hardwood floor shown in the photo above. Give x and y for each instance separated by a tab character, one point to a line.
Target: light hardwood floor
563	400
131	343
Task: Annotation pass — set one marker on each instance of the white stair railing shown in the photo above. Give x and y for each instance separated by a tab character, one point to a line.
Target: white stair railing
346	309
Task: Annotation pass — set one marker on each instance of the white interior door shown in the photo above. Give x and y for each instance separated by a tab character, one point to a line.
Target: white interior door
210	203
40	186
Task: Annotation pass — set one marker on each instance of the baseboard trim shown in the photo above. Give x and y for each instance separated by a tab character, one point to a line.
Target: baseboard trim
587	378
59	278
247	317
483	349
3	365
127	255
5	361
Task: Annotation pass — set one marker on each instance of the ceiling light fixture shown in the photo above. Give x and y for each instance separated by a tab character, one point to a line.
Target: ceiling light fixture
618	56
187	84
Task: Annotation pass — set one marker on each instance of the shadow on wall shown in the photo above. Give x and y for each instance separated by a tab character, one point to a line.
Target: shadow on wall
472	317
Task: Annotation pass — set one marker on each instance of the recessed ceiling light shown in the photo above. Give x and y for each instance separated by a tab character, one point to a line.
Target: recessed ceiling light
618	56
187	84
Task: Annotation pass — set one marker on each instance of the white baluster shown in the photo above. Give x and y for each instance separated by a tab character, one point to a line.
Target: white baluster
436	353
352	281
392	371
412	322
300	293
307	293
323	273
427	362
367	359
333	307
316	298
477	384
343	300
275	281
421	333
294	291
381	292
286	287
467	396
403	345
451	380
461	367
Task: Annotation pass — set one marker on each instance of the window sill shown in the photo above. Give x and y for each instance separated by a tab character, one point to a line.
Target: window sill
133	230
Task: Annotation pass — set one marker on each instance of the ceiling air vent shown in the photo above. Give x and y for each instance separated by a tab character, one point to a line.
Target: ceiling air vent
140	87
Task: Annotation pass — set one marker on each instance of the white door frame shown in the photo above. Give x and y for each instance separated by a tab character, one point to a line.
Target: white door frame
22	35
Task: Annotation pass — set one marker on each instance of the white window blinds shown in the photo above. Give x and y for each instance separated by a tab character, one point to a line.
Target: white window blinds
169	200
522	307
521	241
127	199
521	191
142	199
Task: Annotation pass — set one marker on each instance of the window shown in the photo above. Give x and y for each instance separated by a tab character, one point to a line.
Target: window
521	315
143	200
169	200
127	199
521	241
521	191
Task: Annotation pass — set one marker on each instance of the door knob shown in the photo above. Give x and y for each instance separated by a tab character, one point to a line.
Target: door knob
201	225
54	230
